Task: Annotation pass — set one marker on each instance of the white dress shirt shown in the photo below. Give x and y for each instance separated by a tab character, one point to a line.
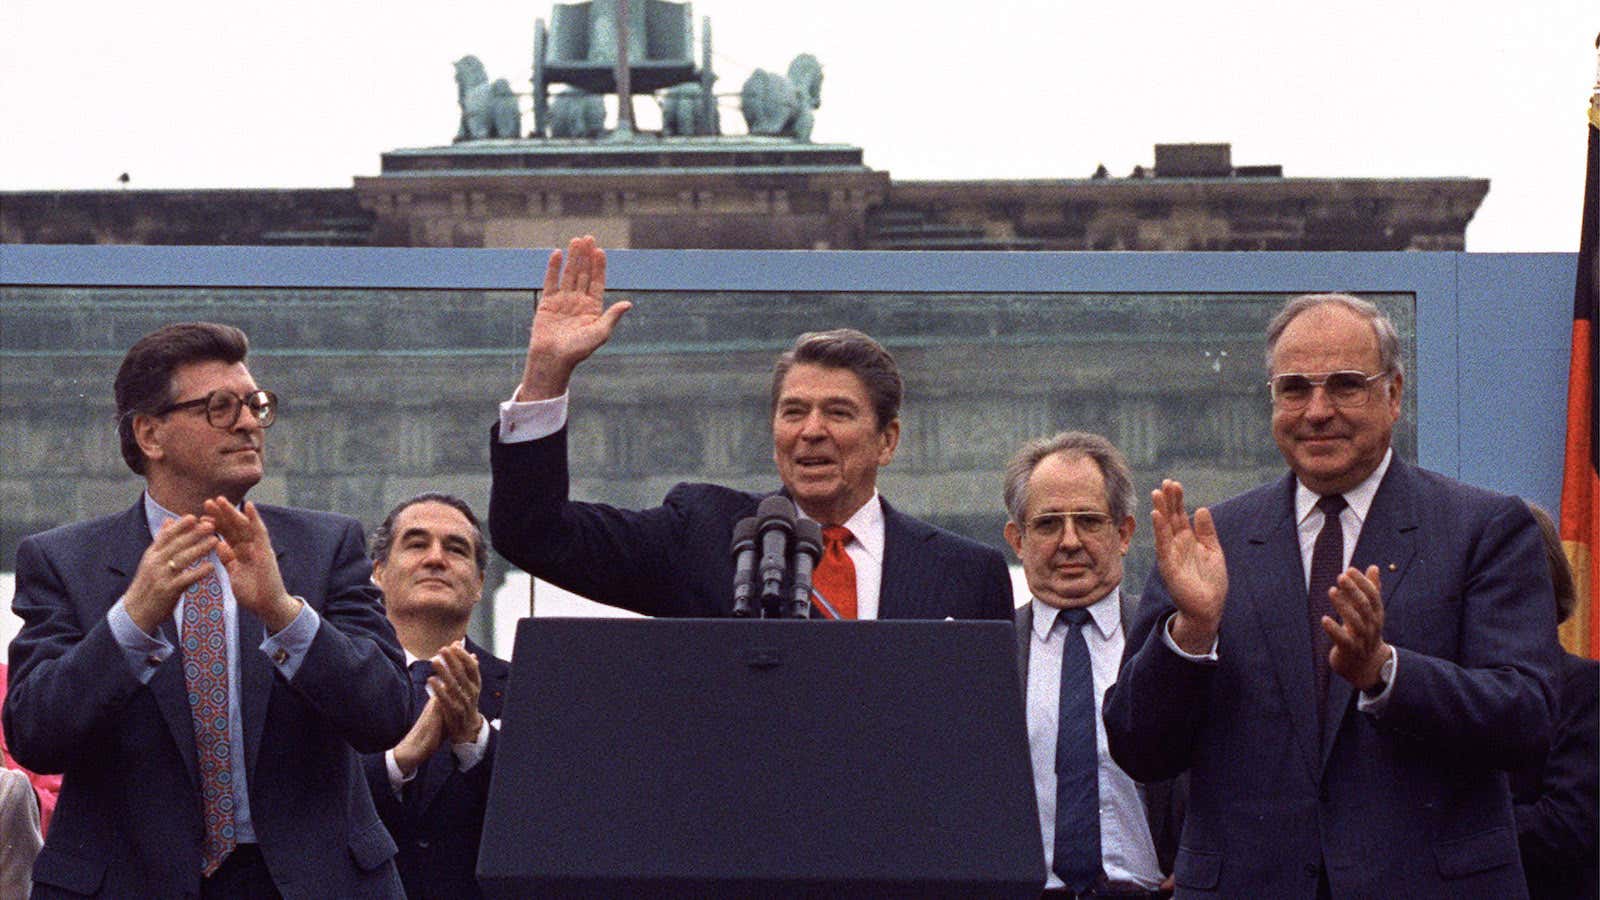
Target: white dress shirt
146	652
1127	851
1308	519
530	420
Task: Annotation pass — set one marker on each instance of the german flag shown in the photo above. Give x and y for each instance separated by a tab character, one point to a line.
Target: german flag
1580	483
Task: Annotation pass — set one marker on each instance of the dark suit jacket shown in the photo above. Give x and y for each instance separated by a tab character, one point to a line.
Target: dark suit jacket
1163	800
673	560
438	818
128	820
1410	803
1558	800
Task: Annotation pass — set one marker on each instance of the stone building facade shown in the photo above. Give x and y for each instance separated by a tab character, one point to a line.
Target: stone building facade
768	193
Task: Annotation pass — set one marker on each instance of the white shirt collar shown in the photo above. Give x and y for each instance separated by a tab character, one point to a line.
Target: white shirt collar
1359	498
1105	612
865	525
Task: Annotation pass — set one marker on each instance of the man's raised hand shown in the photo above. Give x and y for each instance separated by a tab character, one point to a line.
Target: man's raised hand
571	320
1192	566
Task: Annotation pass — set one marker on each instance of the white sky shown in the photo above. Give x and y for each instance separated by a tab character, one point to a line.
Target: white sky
308	93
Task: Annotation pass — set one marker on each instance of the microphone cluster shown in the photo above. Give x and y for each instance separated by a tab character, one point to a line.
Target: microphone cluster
774	554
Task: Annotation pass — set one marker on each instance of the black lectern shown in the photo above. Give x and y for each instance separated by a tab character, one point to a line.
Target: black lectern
762	758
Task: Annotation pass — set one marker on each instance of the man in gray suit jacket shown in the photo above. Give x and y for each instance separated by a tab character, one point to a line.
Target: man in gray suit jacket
1067	497
202	670
1348	660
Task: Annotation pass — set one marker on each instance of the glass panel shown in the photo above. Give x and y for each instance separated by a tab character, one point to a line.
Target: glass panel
389	392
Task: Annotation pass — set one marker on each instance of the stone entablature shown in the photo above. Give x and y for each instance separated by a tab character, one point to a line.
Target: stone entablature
1162	213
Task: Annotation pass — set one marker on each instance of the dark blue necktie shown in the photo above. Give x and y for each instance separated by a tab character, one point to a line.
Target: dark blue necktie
1327	561
1077	851
419	671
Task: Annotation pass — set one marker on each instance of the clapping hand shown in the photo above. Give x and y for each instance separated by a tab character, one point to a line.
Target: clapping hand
1189	557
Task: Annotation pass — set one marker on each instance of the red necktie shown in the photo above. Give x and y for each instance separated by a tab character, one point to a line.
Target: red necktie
835	577
205	675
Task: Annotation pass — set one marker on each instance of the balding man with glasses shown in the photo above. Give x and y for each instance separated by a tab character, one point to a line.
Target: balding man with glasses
1069	502
1346	661
204	671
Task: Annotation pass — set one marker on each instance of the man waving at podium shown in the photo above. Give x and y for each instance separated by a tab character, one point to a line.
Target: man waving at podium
835	422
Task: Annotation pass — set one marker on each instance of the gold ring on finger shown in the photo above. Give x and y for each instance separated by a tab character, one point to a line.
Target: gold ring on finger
172	565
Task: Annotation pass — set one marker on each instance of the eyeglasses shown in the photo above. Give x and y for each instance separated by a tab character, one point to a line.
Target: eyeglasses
1347	389
222	407
1049	526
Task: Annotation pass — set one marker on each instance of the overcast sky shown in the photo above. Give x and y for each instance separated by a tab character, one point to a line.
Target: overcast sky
308	93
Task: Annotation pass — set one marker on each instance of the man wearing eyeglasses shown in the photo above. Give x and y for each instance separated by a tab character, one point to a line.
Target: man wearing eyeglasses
1068	498
1345	661
203	670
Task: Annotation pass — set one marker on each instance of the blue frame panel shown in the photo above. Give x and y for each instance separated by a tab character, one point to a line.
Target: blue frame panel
1492	329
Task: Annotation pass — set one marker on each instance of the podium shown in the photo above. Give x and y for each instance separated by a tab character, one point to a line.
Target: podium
770	758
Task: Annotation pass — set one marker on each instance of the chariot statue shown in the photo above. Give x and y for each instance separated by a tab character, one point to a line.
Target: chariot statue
588	45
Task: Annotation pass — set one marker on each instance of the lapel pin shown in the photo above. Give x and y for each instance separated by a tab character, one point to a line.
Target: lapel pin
1393	567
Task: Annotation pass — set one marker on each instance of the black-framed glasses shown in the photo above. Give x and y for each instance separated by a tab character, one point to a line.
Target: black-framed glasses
1293	390
222	407
1050	526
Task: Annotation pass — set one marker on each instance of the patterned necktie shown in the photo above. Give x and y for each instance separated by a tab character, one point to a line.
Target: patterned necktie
1327	561
205	676
1077	850
835	576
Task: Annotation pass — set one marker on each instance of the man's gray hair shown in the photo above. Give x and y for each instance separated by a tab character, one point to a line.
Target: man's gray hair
1389	359
1113	468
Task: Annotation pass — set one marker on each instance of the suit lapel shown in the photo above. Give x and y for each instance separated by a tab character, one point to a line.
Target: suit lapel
255	670
1272	582
130	540
1024	623
1388	541
900	589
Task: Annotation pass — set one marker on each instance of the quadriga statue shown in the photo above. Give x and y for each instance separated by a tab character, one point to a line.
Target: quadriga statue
683	112
773	104
577	114
487	110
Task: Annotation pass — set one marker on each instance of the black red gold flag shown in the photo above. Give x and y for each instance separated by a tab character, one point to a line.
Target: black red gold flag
1580	484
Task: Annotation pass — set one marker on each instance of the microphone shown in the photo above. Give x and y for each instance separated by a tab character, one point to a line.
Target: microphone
807	550
776	524
744	567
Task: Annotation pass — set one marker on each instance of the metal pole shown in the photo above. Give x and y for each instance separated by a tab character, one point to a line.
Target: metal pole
624	87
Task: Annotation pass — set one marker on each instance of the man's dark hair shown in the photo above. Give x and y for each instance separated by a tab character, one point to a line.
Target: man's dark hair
1566	590
383	536
144	381
847	348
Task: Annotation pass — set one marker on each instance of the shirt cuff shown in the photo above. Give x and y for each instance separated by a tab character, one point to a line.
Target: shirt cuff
530	420
397	779
144	652
1376	705
1210	656
471	753
287	649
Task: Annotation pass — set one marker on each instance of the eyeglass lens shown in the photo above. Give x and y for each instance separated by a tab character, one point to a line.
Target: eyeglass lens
1343	388
1051	525
222	408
